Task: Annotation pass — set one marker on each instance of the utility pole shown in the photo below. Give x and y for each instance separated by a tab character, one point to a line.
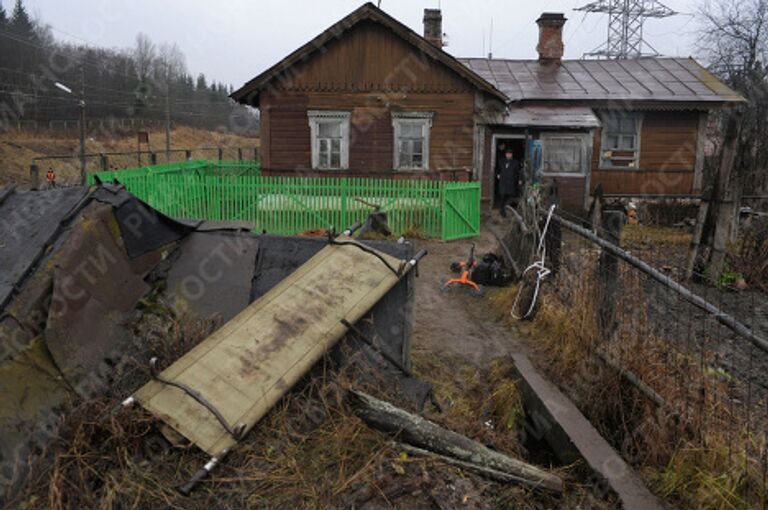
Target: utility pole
82	124
167	113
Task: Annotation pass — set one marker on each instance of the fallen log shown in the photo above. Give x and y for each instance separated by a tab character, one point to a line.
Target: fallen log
426	435
487	472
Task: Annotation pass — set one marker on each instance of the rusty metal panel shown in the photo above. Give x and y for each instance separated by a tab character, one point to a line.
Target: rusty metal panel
642	79
246	366
213	273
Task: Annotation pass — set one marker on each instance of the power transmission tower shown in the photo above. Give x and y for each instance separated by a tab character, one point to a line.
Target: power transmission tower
625	26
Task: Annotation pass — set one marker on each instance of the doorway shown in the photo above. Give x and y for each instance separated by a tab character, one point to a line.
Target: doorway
502	143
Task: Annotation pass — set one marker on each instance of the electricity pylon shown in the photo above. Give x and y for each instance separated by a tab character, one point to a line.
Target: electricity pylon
625	26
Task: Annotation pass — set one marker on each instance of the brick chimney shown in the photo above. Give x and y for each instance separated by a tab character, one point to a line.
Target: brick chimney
550	45
433	26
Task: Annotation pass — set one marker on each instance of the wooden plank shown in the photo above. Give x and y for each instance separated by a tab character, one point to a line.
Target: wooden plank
249	363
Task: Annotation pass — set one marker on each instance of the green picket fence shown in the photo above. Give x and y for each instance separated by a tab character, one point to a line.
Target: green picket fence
293	205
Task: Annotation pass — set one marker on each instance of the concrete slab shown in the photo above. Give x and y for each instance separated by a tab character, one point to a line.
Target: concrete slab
572	437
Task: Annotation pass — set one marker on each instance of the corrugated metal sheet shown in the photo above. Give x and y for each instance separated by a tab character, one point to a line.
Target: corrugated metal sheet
640	79
548	116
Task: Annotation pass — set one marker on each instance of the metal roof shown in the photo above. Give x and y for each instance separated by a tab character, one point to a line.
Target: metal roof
548	116
640	79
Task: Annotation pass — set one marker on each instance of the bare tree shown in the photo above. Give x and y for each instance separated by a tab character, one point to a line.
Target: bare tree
734	38
144	56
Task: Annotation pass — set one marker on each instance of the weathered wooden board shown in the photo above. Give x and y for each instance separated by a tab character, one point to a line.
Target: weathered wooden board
246	366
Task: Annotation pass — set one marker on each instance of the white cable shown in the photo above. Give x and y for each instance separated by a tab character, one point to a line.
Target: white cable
541	271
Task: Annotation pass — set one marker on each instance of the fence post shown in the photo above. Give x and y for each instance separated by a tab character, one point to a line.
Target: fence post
152	158
239	153
344	220
104	161
221	153
34	176
255	153
188	155
608	273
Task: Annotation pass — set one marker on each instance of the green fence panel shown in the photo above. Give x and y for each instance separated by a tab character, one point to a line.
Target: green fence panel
236	191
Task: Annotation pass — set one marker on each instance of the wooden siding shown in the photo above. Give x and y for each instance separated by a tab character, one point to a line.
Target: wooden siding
371	58
641	182
668	144
371	73
571	192
288	144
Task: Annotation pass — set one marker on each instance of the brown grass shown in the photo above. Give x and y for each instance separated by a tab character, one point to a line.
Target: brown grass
691	451
310	451
17	149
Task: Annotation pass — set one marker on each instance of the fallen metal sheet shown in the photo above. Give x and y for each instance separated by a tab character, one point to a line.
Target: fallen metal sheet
213	273
84	335
143	228
246	366
92	254
95	290
28	222
389	322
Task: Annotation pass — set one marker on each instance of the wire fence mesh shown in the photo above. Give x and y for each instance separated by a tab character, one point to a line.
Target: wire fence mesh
672	383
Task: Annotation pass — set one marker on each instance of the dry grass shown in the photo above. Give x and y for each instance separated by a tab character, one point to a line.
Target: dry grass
653	236
691	451
310	451
17	149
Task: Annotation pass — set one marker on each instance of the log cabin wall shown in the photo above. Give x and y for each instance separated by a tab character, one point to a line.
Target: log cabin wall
371	73
668	157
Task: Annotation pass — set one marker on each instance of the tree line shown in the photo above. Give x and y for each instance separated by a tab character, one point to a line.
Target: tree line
139	82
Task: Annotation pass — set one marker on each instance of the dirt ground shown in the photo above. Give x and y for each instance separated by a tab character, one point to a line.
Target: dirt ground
457	321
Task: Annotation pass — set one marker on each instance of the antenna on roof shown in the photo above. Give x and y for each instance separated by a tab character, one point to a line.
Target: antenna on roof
625	26
378	4
490	42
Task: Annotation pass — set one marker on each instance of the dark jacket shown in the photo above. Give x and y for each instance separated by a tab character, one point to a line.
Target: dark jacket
510	174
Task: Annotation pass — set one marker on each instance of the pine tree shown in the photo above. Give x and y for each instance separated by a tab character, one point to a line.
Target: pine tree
21	23
202	84
3	16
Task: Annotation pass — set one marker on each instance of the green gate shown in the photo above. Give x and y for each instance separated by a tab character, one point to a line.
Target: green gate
461	210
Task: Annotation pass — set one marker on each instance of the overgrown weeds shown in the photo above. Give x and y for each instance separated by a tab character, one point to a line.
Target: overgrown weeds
310	451
695	447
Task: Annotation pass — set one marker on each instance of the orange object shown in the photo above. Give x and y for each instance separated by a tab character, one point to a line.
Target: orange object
464	268
463	279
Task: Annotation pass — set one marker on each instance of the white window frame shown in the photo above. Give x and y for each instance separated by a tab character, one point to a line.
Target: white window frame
580	138
423	119
317	117
605	160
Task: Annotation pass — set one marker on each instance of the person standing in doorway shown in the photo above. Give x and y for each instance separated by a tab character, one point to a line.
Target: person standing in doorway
510	181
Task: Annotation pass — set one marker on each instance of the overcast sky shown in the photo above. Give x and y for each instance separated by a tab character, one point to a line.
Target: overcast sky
231	41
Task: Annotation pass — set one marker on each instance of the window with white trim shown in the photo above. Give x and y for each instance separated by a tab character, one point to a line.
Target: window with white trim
620	144
562	154
330	139
411	140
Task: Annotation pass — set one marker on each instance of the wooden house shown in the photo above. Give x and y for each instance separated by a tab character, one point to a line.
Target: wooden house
371	97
